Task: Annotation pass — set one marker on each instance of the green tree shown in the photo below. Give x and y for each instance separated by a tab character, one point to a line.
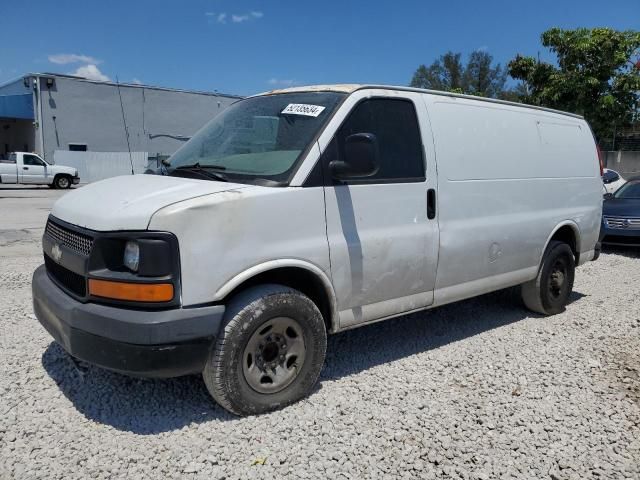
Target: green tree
446	73
480	78
597	75
477	77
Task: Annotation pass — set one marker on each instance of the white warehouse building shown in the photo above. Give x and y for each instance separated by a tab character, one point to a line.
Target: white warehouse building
81	122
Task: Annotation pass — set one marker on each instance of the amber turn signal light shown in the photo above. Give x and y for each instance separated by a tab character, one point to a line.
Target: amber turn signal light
135	292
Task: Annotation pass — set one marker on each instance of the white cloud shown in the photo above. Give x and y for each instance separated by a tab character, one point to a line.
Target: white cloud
136	81
246	16
239	18
89	70
92	72
234	17
279	82
66	58
482	48
216	17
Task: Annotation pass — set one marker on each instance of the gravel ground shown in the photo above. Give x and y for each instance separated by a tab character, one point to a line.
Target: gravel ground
480	389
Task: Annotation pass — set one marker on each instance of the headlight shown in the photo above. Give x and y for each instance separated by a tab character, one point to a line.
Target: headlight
132	255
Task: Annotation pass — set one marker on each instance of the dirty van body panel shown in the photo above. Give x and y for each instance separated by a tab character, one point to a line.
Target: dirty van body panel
234	231
508	177
383	247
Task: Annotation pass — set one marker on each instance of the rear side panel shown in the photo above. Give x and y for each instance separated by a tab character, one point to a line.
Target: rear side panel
508	177
8	173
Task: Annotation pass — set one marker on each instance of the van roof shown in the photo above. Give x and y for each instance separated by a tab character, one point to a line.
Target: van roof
352	87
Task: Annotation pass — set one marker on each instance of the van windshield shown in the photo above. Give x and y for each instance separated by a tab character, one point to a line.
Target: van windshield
259	139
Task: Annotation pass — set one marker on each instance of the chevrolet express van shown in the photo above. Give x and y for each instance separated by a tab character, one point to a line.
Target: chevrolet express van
303	212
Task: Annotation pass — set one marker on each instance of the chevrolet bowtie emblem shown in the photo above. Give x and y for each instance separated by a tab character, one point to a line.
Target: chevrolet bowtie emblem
56	253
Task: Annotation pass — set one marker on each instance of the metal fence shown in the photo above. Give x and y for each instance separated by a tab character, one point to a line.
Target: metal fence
626	140
94	166
625	163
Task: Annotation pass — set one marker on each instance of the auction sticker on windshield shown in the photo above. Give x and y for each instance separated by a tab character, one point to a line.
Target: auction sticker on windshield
303	109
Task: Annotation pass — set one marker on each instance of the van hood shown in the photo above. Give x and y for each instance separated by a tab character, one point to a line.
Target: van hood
129	202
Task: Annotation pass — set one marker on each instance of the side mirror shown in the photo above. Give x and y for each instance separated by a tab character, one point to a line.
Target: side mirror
362	157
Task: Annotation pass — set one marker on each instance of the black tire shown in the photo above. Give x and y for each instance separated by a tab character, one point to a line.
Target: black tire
62	181
549	292
247	315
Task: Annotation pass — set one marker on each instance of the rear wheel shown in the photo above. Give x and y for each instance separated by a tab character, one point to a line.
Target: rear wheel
269	353
549	292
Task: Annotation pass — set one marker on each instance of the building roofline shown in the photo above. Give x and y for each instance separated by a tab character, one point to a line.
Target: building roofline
13	80
122	84
350	88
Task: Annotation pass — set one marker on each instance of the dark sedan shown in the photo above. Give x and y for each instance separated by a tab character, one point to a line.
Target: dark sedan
621	215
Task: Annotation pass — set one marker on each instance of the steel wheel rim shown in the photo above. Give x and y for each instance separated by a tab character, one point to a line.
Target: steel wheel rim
63	183
274	355
558	278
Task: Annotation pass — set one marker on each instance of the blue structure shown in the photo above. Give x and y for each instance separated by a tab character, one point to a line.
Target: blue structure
17	106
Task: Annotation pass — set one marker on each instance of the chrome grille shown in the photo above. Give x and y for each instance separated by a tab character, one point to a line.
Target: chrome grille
625	223
75	241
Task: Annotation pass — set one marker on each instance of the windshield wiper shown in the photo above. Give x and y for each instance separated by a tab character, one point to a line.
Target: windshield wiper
203	170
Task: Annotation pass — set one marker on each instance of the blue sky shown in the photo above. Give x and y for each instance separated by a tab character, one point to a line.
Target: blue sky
249	46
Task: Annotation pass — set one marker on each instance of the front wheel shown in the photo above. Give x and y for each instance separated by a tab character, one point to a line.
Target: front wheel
269	352
62	182
549	292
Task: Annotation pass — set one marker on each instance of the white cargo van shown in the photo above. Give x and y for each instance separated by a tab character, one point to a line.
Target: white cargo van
308	211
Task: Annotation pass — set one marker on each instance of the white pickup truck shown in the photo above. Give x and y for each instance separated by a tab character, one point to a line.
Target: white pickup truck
29	168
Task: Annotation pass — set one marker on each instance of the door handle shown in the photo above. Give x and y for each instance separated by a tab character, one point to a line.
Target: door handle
25	168
431	204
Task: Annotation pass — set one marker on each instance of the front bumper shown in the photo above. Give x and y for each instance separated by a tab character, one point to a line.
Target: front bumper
620	237
75	180
147	343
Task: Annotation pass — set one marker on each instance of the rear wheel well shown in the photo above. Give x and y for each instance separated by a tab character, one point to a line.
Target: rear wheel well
567	234
300	279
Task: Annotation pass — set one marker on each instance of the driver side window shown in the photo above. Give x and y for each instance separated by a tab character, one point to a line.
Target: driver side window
32	160
395	125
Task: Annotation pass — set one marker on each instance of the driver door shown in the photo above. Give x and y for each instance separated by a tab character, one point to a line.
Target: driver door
34	170
383	247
